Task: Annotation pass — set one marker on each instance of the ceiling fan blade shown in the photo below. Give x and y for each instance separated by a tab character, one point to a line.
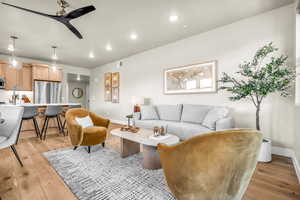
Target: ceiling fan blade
28	10
79	12
73	29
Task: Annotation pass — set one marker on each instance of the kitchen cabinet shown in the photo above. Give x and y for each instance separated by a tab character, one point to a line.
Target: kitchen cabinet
11	78
25	78
2	67
40	72
55	75
45	73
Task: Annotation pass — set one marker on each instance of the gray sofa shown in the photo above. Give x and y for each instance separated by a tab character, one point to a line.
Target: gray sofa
185	120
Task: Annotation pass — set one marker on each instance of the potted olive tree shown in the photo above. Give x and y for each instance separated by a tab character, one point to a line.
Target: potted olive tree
263	75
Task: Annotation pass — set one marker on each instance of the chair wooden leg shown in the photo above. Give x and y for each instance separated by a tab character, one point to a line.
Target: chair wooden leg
16	154
89	149
36	126
103	144
75	147
19	132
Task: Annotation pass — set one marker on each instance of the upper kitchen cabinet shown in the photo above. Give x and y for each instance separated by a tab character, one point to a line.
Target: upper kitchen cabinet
40	72
44	73
11	77
25	78
55	75
17	79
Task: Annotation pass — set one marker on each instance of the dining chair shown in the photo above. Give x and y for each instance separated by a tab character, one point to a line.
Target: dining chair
9	127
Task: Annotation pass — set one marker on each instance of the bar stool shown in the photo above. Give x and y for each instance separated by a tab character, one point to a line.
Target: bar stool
30	112
52	111
65	111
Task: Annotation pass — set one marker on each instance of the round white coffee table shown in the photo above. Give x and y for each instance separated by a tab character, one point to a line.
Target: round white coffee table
131	142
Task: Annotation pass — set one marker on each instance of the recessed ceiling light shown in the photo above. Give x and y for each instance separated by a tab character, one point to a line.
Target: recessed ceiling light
133	36
108	47
91	55
185	26
173	18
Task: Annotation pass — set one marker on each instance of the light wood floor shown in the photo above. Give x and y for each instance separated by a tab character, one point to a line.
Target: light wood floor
38	180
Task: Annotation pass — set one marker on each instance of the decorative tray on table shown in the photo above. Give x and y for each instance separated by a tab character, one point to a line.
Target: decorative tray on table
131	129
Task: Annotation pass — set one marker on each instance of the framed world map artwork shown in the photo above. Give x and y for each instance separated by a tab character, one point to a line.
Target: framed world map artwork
189	79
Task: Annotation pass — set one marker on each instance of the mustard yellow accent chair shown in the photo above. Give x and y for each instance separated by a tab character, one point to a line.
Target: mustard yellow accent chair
86	136
216	166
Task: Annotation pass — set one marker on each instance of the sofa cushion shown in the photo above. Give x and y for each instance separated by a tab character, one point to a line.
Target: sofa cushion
186	130
169	112
148	113
194	113
214	115
149	124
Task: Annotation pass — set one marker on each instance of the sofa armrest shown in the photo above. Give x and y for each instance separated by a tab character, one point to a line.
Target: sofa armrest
225	124
99	121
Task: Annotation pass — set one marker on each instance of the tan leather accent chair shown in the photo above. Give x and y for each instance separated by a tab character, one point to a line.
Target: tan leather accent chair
86	136
216	166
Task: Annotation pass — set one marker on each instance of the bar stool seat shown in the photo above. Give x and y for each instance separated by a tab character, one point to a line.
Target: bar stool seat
30	112
52	111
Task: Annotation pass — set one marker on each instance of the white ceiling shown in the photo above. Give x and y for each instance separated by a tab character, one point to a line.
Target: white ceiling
113	21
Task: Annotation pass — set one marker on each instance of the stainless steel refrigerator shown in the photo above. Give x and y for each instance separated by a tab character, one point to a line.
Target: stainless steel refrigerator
47	92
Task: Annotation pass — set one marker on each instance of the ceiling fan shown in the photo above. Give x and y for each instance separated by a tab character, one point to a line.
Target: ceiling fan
62	16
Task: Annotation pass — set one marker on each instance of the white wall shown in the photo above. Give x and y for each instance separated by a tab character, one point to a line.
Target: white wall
83	100
5	95
142	74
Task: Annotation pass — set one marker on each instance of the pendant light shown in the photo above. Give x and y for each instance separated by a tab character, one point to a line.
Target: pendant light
54	59
12	60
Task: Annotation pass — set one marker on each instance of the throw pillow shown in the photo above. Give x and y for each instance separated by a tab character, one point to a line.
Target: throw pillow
84	122
148	113
194	113
213	116
169	112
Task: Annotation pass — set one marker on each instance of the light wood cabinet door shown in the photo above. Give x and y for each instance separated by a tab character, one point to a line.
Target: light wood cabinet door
55	75
25	78
2	72
40	73
11	78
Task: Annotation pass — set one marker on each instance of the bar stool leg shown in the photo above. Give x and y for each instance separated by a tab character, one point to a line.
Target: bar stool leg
61	126
19	132
46	128
37	130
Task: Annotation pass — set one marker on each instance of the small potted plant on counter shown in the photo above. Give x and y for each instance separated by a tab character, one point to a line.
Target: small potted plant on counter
263	75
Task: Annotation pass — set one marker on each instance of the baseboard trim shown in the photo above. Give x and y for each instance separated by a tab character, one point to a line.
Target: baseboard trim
288	153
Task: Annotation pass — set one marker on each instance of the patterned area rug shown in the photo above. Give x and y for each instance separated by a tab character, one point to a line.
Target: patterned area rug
103	175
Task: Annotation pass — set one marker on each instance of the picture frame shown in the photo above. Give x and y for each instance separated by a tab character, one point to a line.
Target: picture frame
115	79
107	79
107	94
115	95
191	79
